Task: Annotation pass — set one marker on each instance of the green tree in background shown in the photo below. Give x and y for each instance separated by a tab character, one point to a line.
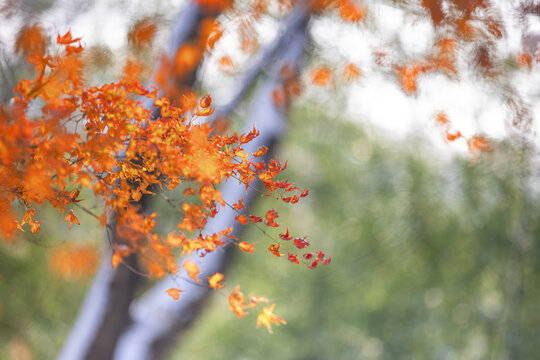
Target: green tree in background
437	259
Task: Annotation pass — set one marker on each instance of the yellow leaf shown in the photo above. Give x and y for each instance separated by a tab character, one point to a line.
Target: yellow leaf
267	318
213	281
192	269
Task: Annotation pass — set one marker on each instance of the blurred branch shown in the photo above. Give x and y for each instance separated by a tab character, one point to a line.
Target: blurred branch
290	27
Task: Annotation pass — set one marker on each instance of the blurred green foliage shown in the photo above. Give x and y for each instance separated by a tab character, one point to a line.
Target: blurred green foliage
37	305
432	258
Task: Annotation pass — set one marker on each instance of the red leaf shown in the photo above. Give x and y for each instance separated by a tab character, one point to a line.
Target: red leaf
270	216
274	249
241	219
285	236
293	258
301	243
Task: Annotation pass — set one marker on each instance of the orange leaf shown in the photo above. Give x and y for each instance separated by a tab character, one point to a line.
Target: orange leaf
213	281
240	204
351	12
71	218
226	64
351	72
442	118
211	32
245	246
116	259
408	76
260	151
30	41
280	98
242	219
524	60
267	318
66	39
205	101
452	137
236	302
274	249
270	216
73	261
142	33
478	143
321	76
192	269
174	293
254	300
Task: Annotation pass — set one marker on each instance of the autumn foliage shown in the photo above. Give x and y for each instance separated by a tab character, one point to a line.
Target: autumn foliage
121	142
101	139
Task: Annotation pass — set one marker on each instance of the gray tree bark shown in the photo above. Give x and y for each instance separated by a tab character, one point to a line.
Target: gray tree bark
110	323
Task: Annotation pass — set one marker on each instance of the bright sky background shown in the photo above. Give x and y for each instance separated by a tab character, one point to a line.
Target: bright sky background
374	99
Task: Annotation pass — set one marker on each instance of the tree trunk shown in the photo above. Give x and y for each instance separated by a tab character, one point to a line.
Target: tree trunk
108	322
157	320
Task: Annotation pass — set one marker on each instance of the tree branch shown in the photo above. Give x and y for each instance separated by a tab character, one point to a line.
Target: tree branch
104	313
158	320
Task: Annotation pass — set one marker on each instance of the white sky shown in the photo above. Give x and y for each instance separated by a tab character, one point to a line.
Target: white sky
375	98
